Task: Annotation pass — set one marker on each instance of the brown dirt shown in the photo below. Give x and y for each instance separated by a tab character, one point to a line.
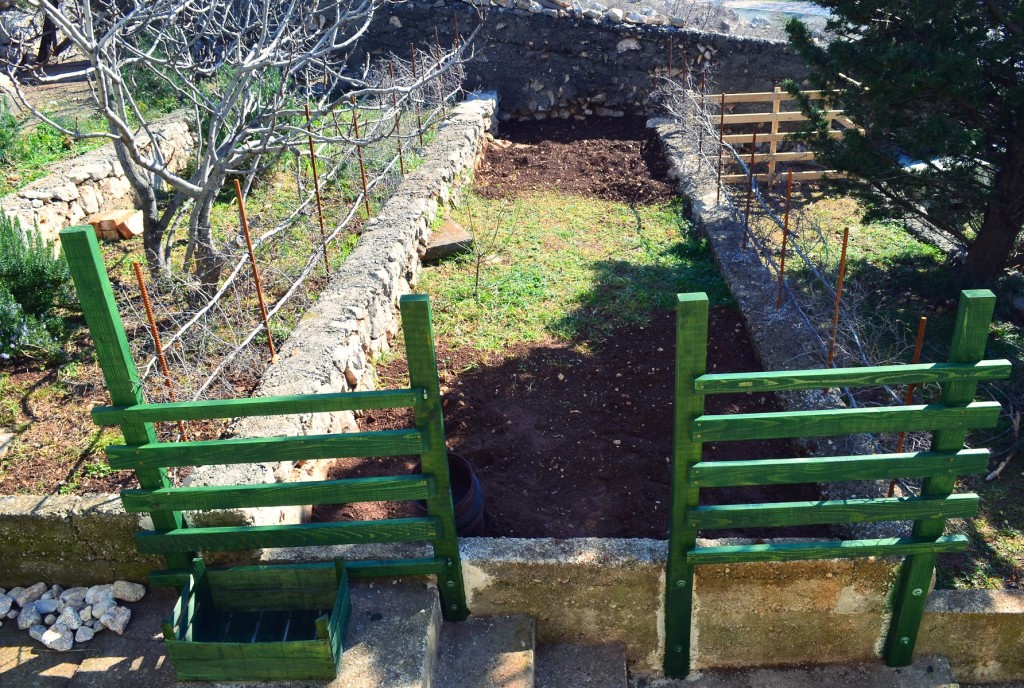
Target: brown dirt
568	444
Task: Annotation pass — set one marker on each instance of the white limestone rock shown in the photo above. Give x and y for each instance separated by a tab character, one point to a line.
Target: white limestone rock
117	619
128	592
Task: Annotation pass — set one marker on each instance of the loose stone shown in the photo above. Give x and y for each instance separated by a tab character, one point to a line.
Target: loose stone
129	592
117	619
69	617
102	605
84	634
47	605
5	604
74	597
29	617
59	638
50	619
85	614
98	591
13	614
37	631
29	594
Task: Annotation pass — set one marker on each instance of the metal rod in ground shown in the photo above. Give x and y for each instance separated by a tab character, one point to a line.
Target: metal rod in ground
440	89
456	18
785	237
359	153
721	148
909	398
703	111
419	117
398	118
750	189
156	342
316	188
255	271
671	49
839	298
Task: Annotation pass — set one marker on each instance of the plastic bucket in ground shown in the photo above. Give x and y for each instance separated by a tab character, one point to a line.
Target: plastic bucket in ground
467	497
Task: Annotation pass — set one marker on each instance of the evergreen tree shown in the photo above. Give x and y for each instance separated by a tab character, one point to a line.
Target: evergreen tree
938	90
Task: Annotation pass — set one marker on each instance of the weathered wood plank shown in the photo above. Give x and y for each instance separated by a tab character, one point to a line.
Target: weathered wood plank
260	449
257	406
837	549
817	470
734	139
292	660
920	373
760	97
832	511
762	117
749	426
297	535
803	176
378	489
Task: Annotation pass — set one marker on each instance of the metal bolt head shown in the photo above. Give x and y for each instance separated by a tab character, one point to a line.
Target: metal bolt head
904	640
680	584
450	584
679	648
917	592
454	607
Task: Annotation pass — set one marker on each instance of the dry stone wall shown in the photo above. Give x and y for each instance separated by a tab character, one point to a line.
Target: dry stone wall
91	183
559	59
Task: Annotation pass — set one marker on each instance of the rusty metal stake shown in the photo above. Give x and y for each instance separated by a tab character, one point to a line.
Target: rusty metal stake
398	117
703	111
721	150
359	152
750	190
785	237
457	37
440	91
156	342
255	271
839	297
316	187
671	49
909	399
419	118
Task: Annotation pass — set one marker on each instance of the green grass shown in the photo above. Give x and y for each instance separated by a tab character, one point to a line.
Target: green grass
567	267
26	152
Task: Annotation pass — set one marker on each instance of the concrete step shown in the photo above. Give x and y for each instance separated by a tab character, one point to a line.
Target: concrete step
926	672
574	666
486	652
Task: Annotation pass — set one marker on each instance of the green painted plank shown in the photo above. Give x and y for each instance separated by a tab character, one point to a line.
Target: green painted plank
337	626
114	355
387	488
422	360
691	362
970	335
751	426
832	511
257	406
261	449
380	568
316	574
819	470
275	661
837	549
252	589
919	373
296	535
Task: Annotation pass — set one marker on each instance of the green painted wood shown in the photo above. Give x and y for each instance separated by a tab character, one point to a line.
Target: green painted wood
337	626
273	661
257	406
832	511
261	449
970	335
691	362
115	356
297	535
834	549
419	346
317	574
750	426
273	587
815	470
919	373
387	488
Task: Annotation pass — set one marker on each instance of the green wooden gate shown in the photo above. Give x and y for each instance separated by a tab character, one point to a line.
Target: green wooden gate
200	643
949	420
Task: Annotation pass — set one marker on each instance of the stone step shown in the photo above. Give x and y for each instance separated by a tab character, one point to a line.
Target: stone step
486	652
926	672
574	666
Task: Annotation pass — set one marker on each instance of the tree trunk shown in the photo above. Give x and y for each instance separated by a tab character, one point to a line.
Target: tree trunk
154	225
1004	216
209	261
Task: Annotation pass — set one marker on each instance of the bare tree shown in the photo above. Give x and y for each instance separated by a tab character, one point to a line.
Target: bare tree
245	69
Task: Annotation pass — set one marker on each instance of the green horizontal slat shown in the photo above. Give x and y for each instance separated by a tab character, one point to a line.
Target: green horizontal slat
297	535
260	449
832	511
257	406
838	549
918	373
830	469
398	487
754	426
315	574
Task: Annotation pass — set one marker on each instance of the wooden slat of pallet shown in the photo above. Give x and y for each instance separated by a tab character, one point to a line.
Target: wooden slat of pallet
749	426
765	117
833	511
377	489
258	406
804	176
296	535
786	380
793	156
218	661
760	97
839	549
874	467
734	139
251	589
260	449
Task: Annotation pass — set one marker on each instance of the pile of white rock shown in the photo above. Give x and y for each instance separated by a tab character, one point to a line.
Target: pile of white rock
59	618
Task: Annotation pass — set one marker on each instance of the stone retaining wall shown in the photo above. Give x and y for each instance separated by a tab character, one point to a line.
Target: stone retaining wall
92	183
553	59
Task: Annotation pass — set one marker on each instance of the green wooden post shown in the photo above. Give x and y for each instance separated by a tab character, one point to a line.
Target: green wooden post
691	362
419	346
115	358
969	338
